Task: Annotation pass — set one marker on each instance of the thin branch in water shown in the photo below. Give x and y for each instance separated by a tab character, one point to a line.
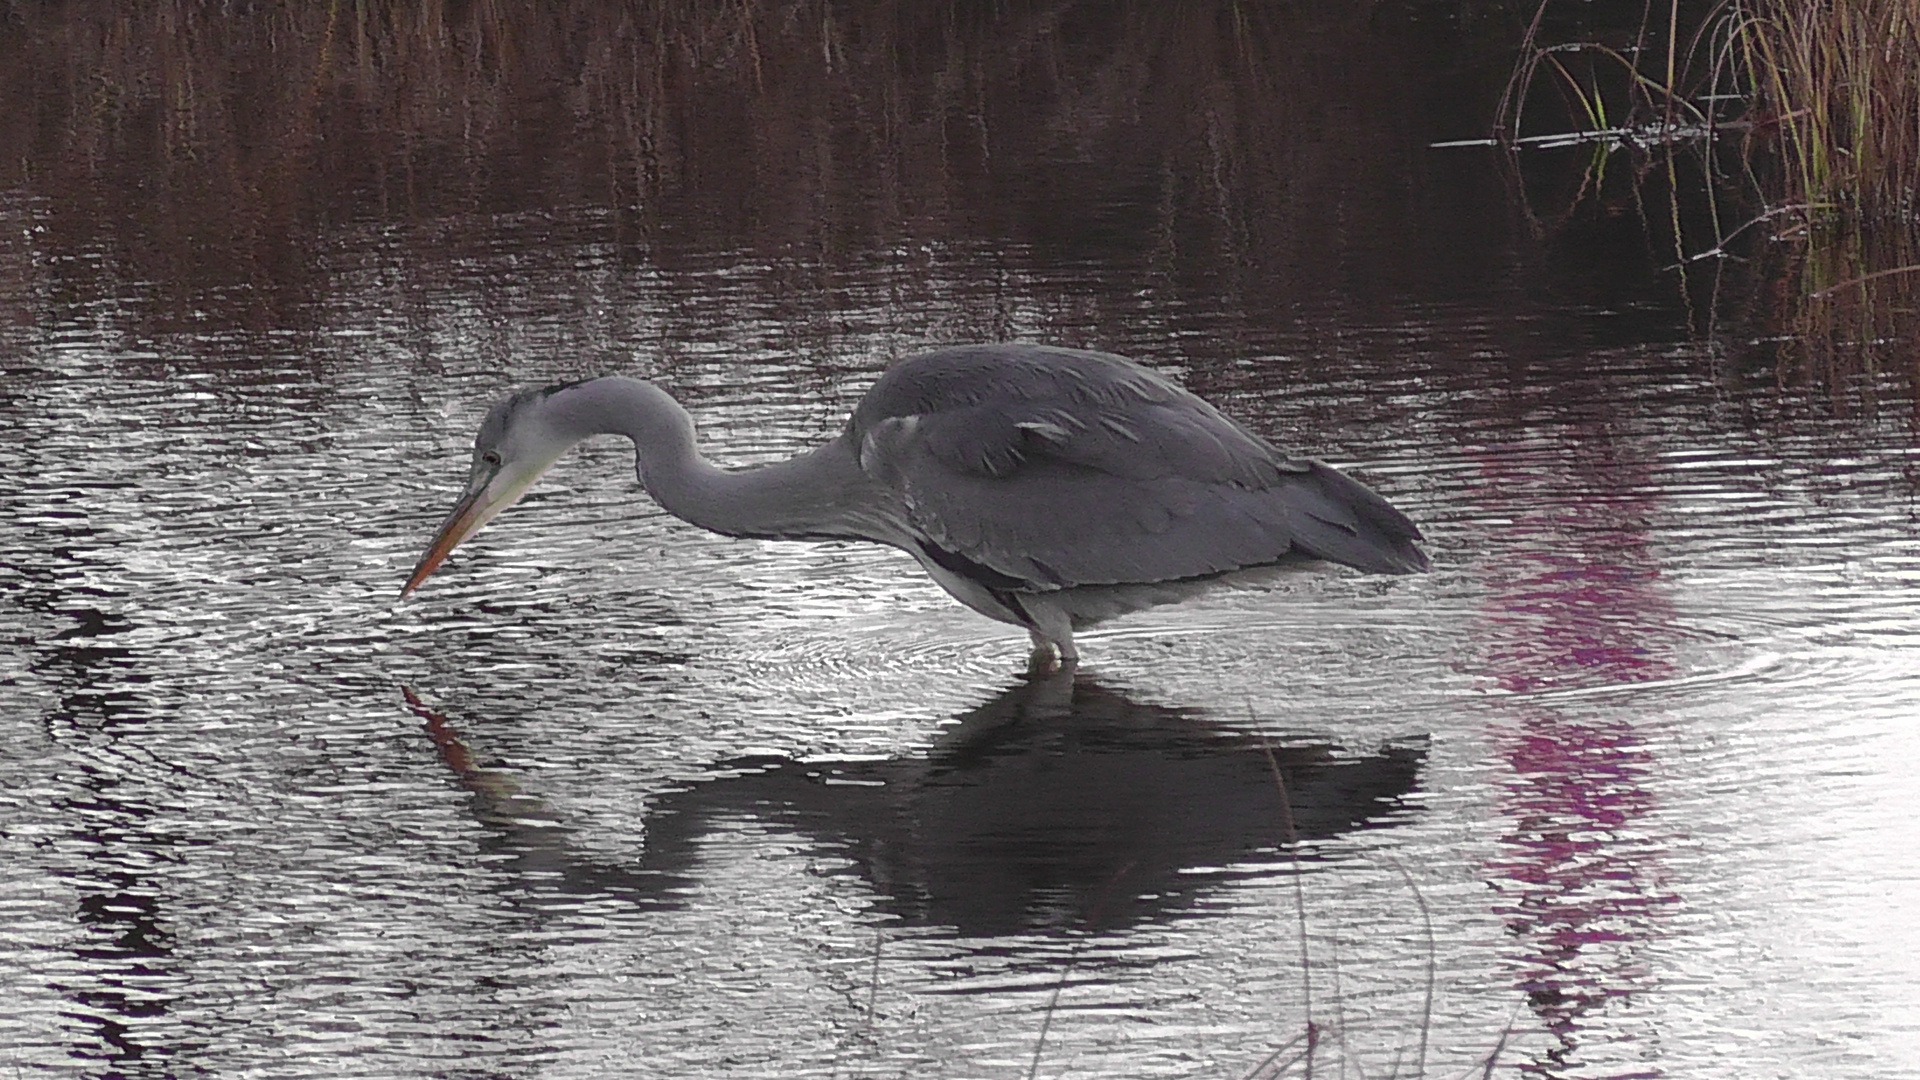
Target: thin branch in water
1299	889
1073	956
1267	1069
1046	1021
1494	1057
1721	248
1862	279
1433	951
873	976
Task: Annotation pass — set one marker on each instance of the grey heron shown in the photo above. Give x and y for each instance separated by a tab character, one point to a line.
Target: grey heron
1045	487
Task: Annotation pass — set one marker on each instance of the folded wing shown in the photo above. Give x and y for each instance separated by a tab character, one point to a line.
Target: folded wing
1060	468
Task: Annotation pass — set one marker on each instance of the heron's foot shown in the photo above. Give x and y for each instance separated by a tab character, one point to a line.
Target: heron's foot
1050	657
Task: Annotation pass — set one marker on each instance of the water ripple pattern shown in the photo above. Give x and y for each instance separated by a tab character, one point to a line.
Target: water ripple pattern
1628	774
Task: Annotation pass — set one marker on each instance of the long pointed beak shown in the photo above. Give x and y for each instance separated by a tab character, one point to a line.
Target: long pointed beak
471	512
486	496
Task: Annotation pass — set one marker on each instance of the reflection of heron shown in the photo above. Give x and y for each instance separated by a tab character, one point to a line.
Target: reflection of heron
1048	488
1059	805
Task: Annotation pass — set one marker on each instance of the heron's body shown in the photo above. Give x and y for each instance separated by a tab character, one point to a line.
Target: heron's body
1048	488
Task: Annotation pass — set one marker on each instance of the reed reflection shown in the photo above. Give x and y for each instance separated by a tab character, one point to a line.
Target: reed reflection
1060	805
1198	146
123	978
1578	603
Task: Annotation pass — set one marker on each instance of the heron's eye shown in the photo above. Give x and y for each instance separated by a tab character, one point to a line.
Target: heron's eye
491	458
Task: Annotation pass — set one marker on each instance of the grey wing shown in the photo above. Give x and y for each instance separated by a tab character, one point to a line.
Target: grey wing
1114	477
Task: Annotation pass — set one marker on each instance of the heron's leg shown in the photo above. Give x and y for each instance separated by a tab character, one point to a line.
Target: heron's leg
1051	629
1050	655
1044	658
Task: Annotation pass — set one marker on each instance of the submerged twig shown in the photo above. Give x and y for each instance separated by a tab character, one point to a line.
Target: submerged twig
1299	889
1433	952
873	976
1720	248
1046	1020
1861	280
1494	1057
1267	1070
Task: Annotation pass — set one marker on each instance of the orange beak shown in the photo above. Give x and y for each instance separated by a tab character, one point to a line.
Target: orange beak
489	493
467	517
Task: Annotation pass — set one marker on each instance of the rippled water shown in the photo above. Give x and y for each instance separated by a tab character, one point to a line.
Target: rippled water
1622	788
1625	783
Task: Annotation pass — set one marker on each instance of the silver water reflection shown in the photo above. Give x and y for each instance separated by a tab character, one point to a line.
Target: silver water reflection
1644	737
1059	805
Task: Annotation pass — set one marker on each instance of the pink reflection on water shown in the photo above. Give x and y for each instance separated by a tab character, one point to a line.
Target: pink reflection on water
1576	603
1574	620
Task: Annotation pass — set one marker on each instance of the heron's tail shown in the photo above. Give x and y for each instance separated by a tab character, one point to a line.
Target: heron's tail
1337	518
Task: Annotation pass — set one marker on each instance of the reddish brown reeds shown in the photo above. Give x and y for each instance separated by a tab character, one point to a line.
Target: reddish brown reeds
1833	89
1803	119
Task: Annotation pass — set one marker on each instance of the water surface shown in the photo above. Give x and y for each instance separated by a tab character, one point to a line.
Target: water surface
1622	786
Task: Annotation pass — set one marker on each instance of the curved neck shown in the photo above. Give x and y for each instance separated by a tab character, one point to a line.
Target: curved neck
815	495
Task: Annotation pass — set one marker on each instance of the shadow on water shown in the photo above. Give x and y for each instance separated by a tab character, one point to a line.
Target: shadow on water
124	973
1061	805
125	952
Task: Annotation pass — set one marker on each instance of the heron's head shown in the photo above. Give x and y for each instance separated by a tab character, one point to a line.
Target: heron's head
516	443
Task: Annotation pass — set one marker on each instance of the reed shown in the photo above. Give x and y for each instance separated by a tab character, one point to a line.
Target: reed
1797	124
1833	88
1825	95
1835	310
219	150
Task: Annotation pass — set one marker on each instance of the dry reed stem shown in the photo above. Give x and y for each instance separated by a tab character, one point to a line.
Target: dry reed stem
1839	81
1832	90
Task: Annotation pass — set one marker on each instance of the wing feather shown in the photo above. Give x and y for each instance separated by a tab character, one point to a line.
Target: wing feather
1061	468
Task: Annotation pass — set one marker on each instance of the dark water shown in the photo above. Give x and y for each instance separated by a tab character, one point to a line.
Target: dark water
1623	787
